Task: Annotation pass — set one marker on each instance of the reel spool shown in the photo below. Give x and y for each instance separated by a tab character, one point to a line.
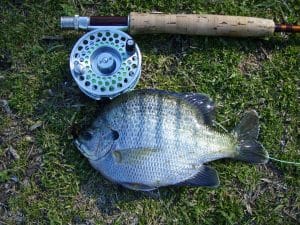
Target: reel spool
105	63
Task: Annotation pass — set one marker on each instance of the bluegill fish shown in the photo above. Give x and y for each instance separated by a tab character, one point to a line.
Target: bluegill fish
147	139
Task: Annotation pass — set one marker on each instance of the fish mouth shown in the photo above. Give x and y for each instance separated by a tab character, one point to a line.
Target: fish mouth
84	150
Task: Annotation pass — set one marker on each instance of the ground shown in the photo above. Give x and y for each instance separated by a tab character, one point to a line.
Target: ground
45	180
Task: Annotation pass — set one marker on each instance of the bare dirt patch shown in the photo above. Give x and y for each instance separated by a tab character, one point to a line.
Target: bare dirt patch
253	62
13	132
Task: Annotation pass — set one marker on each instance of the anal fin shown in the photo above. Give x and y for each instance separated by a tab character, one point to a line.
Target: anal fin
207	177
138	187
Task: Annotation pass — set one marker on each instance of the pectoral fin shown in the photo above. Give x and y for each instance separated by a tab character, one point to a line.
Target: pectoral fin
207	177
132	156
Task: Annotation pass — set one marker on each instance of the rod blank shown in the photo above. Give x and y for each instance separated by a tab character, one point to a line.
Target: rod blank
287	28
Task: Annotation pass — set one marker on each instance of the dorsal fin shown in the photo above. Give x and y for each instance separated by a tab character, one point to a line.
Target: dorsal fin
201	102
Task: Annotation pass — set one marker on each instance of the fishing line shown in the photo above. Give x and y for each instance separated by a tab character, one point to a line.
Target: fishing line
221	126
284	161
279	160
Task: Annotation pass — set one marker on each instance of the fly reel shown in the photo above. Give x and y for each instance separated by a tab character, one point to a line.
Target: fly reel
105	63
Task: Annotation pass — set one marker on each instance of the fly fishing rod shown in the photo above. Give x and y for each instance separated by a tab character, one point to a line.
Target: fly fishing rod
106	61
191	24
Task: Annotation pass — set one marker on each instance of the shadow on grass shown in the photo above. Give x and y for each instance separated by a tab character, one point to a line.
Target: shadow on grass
167	44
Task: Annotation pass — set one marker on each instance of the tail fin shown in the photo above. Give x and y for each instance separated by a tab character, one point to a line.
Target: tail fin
248	148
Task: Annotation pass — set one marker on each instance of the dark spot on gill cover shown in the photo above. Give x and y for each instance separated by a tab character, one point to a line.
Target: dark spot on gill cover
115	135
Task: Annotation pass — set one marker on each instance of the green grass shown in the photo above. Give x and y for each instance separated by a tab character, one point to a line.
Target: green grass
56	185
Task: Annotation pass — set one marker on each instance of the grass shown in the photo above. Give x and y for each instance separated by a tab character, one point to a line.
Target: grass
51	183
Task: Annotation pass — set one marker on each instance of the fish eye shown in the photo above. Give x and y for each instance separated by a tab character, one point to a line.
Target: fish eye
87	135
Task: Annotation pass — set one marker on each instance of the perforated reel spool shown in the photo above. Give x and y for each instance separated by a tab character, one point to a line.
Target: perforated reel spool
105	63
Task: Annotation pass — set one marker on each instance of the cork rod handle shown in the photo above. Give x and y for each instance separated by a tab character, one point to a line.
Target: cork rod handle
200	24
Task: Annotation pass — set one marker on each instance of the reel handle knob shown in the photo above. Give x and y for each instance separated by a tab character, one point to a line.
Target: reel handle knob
78	68
130	45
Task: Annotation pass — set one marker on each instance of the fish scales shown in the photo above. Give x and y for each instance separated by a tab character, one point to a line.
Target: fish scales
170	127
162	140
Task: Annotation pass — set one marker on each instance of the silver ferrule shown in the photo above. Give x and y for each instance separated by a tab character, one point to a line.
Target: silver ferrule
75	22
82	22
